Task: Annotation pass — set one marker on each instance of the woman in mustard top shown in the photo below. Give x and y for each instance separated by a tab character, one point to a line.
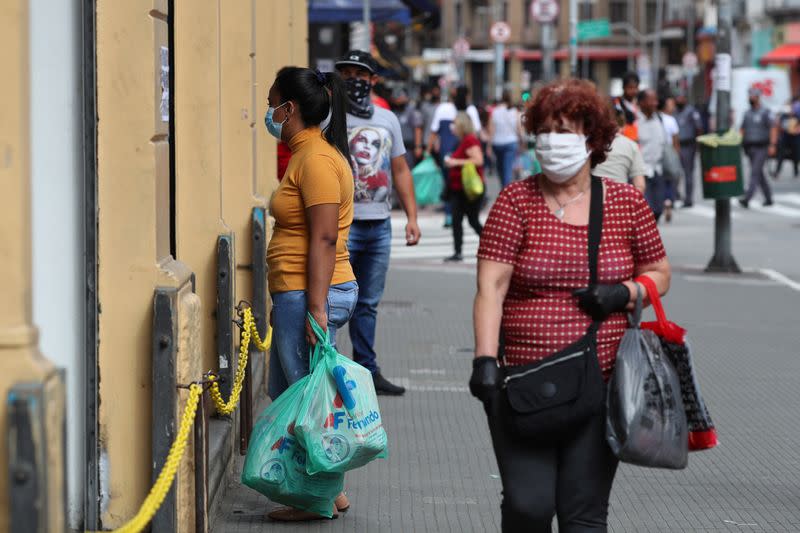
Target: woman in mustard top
309	266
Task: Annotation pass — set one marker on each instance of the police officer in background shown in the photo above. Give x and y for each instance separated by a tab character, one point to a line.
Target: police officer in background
759	138
690	126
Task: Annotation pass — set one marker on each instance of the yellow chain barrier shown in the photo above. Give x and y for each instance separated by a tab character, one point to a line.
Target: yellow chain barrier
249	331
167	475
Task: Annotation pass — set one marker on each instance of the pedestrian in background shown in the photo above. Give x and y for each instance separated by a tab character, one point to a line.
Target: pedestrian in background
504	135
431	97
759	140
468	151
379	164
628	103
788	138
531	261
309	265
666	108
624	163
443	138
652	137
690	126
411	124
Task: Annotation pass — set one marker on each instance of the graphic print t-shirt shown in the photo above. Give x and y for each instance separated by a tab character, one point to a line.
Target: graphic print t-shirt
374	142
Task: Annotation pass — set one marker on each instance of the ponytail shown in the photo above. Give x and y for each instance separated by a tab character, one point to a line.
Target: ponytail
336	133
318	96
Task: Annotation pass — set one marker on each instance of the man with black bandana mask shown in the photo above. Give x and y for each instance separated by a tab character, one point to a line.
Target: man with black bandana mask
378	159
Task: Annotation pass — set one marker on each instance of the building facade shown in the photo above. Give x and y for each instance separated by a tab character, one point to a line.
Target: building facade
133	139
632	45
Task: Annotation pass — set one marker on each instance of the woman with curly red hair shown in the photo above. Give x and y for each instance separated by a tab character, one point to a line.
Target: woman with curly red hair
556	263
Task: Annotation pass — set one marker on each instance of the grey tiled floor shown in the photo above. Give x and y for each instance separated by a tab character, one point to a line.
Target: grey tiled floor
442	476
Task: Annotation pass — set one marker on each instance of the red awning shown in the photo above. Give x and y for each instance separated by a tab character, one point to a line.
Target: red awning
528	55
590	52
599	53
787	53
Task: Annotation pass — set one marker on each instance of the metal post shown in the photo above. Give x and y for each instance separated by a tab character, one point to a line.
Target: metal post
657	42
690	28
723	260
367	26
573	38
631	64
499	69
547	52
200	468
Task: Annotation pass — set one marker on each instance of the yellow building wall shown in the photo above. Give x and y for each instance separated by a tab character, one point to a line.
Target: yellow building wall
226	55
20	359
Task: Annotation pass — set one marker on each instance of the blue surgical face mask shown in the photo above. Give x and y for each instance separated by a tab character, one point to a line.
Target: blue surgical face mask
274	128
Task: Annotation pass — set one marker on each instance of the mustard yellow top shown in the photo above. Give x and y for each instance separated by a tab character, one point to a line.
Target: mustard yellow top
317	174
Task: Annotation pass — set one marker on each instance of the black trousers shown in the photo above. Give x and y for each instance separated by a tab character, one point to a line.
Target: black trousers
462	206
571	480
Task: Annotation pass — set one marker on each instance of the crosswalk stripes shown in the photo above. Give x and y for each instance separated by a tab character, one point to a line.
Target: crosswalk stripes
436	242
787	205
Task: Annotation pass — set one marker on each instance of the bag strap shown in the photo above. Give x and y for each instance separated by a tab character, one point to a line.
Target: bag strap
655	298
595	227
635	318
595	235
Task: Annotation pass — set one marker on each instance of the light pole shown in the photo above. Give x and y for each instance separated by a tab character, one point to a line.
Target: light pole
723	260
573	38
367	26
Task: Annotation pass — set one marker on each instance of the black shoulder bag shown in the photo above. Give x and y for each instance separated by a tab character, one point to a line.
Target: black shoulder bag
547	400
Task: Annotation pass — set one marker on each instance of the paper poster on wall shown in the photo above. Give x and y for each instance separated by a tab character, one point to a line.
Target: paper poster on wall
164	106
722	72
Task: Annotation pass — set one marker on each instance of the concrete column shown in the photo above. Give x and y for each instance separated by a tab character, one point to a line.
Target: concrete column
20	358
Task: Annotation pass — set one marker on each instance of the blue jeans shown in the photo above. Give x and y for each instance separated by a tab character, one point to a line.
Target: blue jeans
504	155
655	193
288	356
370	244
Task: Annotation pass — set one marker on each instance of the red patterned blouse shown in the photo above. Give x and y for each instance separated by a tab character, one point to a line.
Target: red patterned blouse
550	258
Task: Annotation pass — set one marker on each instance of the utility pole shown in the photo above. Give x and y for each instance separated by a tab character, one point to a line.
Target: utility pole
547	51
723	260
690	23
499	57
657	42
573	38
367	26
631	64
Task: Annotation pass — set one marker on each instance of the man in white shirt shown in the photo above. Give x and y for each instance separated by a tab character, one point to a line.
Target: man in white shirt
652	137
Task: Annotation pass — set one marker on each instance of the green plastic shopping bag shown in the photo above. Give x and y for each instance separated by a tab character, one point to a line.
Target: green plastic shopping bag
472	182
339	422
276	463
428	182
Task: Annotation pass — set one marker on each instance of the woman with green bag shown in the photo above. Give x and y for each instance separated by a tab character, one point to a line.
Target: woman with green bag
465	181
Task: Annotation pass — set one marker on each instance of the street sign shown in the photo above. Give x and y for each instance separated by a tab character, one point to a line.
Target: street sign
544	11
460	48
689	62
500	32
593	29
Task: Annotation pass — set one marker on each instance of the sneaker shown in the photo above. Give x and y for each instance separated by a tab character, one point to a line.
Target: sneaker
768	203
384	387
455	258
687	205
744	203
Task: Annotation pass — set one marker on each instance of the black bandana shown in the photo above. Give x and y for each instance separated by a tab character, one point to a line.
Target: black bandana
358	95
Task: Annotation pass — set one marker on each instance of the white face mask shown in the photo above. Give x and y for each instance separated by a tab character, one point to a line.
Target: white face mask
561	155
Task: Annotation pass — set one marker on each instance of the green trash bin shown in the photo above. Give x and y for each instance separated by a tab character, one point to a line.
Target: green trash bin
721	165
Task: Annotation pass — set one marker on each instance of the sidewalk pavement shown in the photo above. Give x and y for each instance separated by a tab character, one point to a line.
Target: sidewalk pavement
442	476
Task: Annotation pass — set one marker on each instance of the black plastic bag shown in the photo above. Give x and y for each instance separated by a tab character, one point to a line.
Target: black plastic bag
646	422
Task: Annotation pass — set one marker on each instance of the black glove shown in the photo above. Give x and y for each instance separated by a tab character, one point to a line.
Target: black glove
485	377
602	300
